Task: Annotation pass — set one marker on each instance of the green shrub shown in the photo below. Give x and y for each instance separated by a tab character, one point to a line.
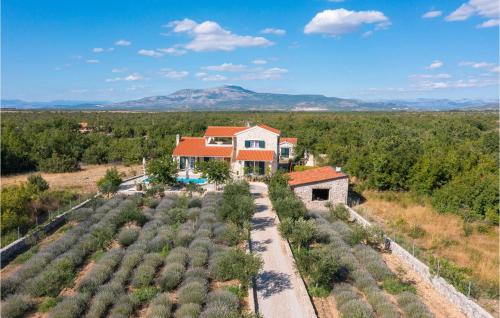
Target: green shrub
161	306
338	212
16	306
416	232
145	294
70	307
299	232
48	303
171	276
128	236
188	311
396	286
412	306
192	292
130	213
236	264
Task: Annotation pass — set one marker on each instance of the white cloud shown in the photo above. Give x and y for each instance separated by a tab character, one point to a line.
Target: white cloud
432	14
100	49
92	61
483	8
265	74
210	78
259	62
273	31
435	64
210	36
367	34
119	70
438	76
173	51
173	74
490	66
226	67
123	43
128	78
150	53
342	21
496	69
489	23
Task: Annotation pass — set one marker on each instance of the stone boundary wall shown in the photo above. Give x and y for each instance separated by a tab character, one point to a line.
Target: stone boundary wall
466	305
9	252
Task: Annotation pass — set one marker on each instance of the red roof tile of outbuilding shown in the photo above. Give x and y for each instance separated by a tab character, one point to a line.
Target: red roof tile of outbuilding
255	155
314	175
195	147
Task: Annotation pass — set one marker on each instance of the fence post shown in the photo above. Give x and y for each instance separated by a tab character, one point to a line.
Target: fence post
18	233
468	291
413	248
439	263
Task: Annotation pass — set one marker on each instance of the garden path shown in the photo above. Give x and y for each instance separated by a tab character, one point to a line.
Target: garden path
279	288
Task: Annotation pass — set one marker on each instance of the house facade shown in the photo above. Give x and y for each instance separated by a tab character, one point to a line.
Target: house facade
255	150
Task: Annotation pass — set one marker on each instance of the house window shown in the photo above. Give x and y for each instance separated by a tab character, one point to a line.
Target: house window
255	144
285	152
320	194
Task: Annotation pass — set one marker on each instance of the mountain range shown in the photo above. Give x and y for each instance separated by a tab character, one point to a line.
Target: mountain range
238	98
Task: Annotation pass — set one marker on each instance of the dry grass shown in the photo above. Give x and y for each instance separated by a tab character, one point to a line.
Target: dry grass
444	234
83	181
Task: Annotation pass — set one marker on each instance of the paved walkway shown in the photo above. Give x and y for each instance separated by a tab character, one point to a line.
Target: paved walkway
280	290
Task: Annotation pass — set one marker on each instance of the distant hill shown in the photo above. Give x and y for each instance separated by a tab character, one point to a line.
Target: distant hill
238	98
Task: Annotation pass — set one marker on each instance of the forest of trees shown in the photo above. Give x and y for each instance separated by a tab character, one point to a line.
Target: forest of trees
450	158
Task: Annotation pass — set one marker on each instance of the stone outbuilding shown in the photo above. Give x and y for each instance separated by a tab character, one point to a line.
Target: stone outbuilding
318	186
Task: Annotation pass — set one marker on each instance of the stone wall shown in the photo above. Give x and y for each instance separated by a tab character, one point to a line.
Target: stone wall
11	251
465	304
338	192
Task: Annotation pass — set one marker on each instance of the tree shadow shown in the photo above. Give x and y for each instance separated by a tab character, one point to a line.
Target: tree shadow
260	224
271	282
260	246
260	207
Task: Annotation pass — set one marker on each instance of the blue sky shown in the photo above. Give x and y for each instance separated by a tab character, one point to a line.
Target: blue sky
119	50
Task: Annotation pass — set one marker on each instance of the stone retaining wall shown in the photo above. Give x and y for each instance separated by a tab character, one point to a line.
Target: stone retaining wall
11	251
465	304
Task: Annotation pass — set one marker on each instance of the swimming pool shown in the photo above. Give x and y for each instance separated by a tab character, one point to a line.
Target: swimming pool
192	180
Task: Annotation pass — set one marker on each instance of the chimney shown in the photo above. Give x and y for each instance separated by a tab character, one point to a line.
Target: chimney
177	139
338	169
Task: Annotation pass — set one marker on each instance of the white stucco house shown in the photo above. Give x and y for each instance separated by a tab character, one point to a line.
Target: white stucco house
318	186
255	150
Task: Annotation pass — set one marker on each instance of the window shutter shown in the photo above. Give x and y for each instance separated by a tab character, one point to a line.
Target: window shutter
262	144
247	143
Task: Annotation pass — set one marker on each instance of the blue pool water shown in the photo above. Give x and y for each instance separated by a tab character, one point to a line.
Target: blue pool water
192	180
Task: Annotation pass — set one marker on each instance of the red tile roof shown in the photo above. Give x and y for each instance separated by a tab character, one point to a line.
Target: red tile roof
314	175
255	155
223	131
291	140
274	130
195	147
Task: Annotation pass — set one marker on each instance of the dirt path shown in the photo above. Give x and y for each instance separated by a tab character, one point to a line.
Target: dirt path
436	303
280	290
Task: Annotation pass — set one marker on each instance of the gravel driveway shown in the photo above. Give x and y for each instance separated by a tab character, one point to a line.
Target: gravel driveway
280	291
